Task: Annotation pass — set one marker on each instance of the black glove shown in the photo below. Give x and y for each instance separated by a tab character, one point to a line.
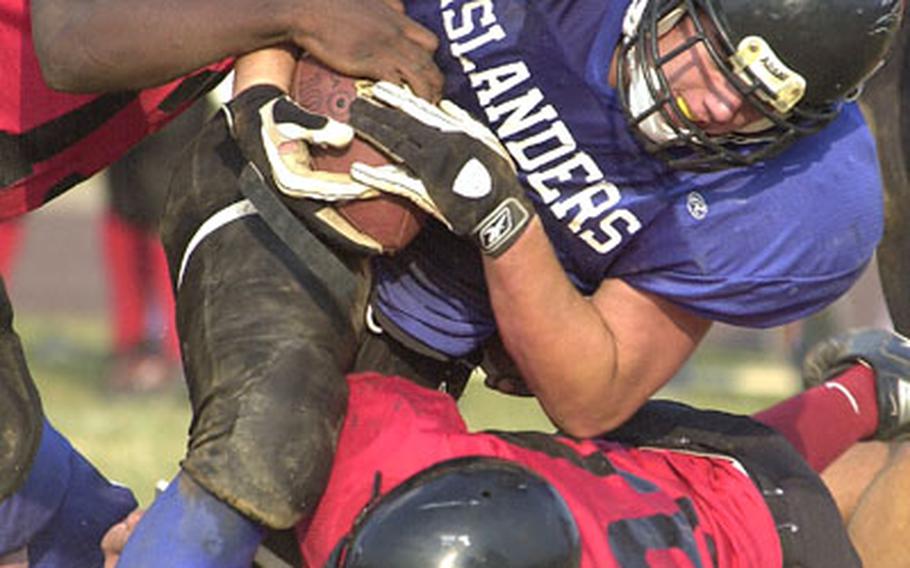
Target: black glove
887	353
877	348
461	174
274	133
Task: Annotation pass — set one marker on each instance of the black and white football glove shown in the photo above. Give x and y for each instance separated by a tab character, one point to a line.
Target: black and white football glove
275	134
451	165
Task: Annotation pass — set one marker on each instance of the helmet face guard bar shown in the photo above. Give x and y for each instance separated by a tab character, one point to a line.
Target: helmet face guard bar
771	88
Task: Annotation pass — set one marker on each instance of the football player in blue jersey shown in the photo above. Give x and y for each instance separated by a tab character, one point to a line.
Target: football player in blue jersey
682	162
678	162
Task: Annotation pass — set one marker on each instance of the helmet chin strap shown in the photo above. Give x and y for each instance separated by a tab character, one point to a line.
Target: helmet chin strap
755	62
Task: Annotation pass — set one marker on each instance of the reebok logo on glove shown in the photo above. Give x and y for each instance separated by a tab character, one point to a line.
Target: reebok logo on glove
505	221
501	226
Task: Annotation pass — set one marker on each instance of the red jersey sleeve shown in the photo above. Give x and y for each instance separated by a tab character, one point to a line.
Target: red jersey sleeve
49	140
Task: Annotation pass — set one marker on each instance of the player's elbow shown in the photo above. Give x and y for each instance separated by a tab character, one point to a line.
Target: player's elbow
591	424
60	77
588	406
70	63
587	414
62	64
590	412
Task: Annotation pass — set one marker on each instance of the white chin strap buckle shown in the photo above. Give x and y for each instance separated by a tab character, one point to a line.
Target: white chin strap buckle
755	61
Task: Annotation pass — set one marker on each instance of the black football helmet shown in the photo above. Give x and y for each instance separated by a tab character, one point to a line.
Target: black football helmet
796	61
475	512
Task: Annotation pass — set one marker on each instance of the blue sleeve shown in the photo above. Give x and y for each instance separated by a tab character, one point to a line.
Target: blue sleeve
29	510
63	510
770	247
188	527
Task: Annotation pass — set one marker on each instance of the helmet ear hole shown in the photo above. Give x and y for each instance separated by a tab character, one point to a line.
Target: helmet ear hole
438	517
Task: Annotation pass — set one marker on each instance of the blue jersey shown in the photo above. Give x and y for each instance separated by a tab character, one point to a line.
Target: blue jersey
756	246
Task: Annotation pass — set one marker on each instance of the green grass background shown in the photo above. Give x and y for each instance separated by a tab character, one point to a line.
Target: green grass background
139	439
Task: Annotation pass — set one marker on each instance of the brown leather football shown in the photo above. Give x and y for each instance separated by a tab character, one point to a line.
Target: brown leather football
391	220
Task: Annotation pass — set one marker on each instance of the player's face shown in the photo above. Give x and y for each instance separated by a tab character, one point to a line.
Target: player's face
701	89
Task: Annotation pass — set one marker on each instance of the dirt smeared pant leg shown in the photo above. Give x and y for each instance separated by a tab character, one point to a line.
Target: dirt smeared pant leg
265	342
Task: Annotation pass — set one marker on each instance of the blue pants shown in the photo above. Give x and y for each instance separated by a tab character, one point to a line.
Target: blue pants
187	527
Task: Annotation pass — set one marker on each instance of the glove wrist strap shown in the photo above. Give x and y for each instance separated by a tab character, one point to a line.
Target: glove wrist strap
503	226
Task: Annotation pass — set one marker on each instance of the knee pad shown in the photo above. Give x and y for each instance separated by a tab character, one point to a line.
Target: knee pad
267	449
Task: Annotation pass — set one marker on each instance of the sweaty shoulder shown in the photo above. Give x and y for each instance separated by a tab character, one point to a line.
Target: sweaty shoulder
771	244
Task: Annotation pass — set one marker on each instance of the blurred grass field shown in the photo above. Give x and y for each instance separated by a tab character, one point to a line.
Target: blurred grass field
139	439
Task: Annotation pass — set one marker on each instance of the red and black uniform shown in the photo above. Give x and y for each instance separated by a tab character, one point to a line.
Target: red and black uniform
633	506
50	141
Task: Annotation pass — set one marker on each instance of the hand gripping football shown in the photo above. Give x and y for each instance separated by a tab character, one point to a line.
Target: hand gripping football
391	220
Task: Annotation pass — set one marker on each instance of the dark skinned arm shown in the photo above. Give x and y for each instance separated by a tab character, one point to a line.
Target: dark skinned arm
109	45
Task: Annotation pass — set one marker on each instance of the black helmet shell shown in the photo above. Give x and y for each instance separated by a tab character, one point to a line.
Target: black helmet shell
475	512
835	44
832	45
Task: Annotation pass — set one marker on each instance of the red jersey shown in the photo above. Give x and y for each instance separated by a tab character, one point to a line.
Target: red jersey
633	506
50	141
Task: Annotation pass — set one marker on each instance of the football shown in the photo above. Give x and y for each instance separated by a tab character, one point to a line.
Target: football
391	220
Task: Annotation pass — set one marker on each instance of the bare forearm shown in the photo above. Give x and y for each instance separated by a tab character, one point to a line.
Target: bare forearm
271	66
591	361
561	344
127	44
16	559
107	45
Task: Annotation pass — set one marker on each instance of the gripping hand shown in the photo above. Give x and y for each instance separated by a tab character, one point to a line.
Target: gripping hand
275	133
451	165
877	348
887	353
